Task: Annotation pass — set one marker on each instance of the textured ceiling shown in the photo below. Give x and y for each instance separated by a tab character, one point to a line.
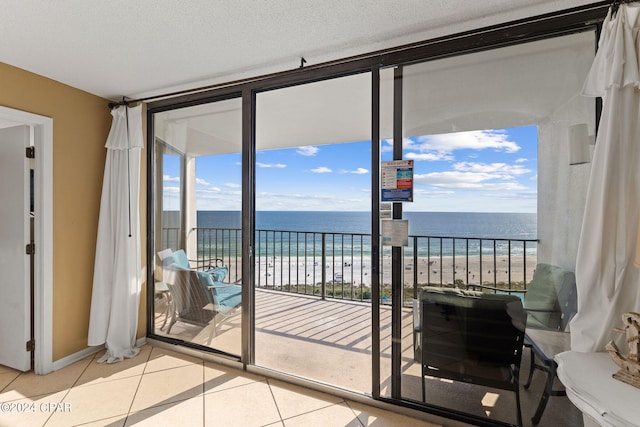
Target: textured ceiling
146	47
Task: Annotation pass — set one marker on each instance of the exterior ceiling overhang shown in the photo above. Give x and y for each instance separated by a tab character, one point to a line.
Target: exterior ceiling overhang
506	87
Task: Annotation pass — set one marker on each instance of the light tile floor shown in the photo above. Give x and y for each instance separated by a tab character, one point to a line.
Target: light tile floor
160	387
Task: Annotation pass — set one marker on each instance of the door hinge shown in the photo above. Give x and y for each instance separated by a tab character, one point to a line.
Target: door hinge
31	249
31	152
31	345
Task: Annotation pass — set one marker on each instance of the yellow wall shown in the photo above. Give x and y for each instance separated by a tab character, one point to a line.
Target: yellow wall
81	123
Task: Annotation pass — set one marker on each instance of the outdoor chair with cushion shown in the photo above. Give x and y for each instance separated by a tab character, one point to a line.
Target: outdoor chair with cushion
550	300
472	337
212	265
199	297
190	300
225	298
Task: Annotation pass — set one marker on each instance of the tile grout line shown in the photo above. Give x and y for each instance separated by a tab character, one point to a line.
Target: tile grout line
11	382
354	413
202	394
329	405
275	401
93	356
133	398
210	392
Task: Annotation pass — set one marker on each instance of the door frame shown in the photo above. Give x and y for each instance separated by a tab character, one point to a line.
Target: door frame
43	233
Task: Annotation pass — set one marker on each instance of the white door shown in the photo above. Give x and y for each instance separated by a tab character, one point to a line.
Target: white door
15	311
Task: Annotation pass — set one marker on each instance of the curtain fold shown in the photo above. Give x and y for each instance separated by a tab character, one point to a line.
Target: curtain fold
607	280
117	277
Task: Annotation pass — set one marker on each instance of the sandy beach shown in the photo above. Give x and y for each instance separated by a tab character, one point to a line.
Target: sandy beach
278	272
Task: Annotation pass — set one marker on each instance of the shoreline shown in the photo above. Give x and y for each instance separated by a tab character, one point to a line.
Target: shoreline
279	272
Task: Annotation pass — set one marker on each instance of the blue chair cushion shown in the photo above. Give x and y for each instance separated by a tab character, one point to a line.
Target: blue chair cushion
177	259
227	297
224	296
219	273
205	278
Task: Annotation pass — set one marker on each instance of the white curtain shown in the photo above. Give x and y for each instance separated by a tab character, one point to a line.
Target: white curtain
608	282
117	277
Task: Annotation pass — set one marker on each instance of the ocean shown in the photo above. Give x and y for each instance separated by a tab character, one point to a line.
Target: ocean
293	246
474	233
437	224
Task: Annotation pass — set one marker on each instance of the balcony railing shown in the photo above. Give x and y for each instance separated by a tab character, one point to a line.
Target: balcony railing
338	265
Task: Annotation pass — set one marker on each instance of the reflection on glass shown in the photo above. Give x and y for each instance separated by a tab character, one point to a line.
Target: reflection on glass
313	243
470	338
198	237
492	181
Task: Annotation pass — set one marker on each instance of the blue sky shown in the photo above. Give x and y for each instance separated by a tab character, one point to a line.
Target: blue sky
478	171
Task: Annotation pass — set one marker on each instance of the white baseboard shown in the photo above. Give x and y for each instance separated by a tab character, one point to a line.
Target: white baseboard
73	358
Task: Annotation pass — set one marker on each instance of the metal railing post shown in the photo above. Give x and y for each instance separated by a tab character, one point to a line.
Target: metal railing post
214	243
323	291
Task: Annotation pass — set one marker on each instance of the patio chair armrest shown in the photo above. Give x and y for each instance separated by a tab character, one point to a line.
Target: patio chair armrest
221	285
493	288
208	263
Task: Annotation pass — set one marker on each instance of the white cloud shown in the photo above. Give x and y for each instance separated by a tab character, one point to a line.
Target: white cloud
501	170
466	180
215	198
360	171
321	169
314	202
215	193
521	160
308	150
387	145
432	157
474	140
423	192
210	190
167	178
202	182
232	185
170	190
520	195
271	165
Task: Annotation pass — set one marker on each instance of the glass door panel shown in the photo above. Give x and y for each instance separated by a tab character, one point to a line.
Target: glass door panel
198	235
312	238
488	133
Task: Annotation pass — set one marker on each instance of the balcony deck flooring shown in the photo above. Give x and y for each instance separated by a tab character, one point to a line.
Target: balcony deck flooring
329	341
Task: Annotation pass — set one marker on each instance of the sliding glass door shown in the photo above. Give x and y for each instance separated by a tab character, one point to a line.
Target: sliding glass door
198	275
270	229
313	231
492	180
